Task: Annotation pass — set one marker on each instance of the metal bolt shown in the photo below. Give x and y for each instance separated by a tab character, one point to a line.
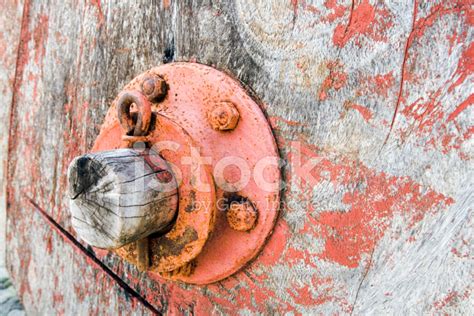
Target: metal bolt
154	87
224	117
241	216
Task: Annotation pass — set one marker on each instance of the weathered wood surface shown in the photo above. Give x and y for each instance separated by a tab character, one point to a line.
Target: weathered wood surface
10	21
374	95
120	196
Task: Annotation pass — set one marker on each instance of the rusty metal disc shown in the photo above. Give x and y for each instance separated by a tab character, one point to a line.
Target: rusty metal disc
194	92
195	220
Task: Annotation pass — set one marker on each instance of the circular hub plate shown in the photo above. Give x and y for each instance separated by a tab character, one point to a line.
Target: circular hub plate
243	160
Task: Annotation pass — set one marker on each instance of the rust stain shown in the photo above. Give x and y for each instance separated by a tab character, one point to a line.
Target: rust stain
241	216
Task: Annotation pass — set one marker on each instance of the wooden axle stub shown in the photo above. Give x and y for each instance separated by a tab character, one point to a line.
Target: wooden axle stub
120	196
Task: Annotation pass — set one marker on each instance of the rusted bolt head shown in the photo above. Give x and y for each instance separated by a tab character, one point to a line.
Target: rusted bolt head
224	117
241	216
154	87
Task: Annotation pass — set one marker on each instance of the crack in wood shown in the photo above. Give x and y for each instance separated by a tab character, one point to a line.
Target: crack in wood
369	265
402	74
78	246
143	176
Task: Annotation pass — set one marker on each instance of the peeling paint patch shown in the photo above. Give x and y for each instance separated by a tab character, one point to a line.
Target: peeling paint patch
363	111
373	200
336	79
365	20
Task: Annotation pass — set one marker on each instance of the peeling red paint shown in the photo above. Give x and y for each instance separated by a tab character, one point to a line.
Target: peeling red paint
275	245
365	112
453	39
294	4
338	10
465	67
425	113
336	79
450	298
365	19
376	86
461	107
402	71
351	234
40	36
428	119
302	296
462	8
383	83
275	119
100	14
23	52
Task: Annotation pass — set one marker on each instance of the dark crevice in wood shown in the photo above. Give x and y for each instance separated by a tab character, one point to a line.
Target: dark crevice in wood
369	265
96	203
107	187
117	157
402	72
99	206
168	54
78	246
143	176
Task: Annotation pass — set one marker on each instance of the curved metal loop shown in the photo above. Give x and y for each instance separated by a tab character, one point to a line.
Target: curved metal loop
125	101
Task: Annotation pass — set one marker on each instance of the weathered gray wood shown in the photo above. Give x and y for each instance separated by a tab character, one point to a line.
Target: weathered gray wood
117	197
10	20
10	23
376	91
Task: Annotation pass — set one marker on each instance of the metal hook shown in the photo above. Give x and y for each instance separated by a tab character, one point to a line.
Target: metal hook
126	99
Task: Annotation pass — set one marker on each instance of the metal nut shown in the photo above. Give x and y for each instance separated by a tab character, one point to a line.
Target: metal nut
241	216
224	117
154	87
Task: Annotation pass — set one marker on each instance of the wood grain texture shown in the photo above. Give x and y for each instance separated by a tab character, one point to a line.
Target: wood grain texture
118	197
10	22
375	95
10	19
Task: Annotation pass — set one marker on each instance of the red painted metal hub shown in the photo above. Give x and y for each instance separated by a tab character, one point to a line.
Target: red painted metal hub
225	160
